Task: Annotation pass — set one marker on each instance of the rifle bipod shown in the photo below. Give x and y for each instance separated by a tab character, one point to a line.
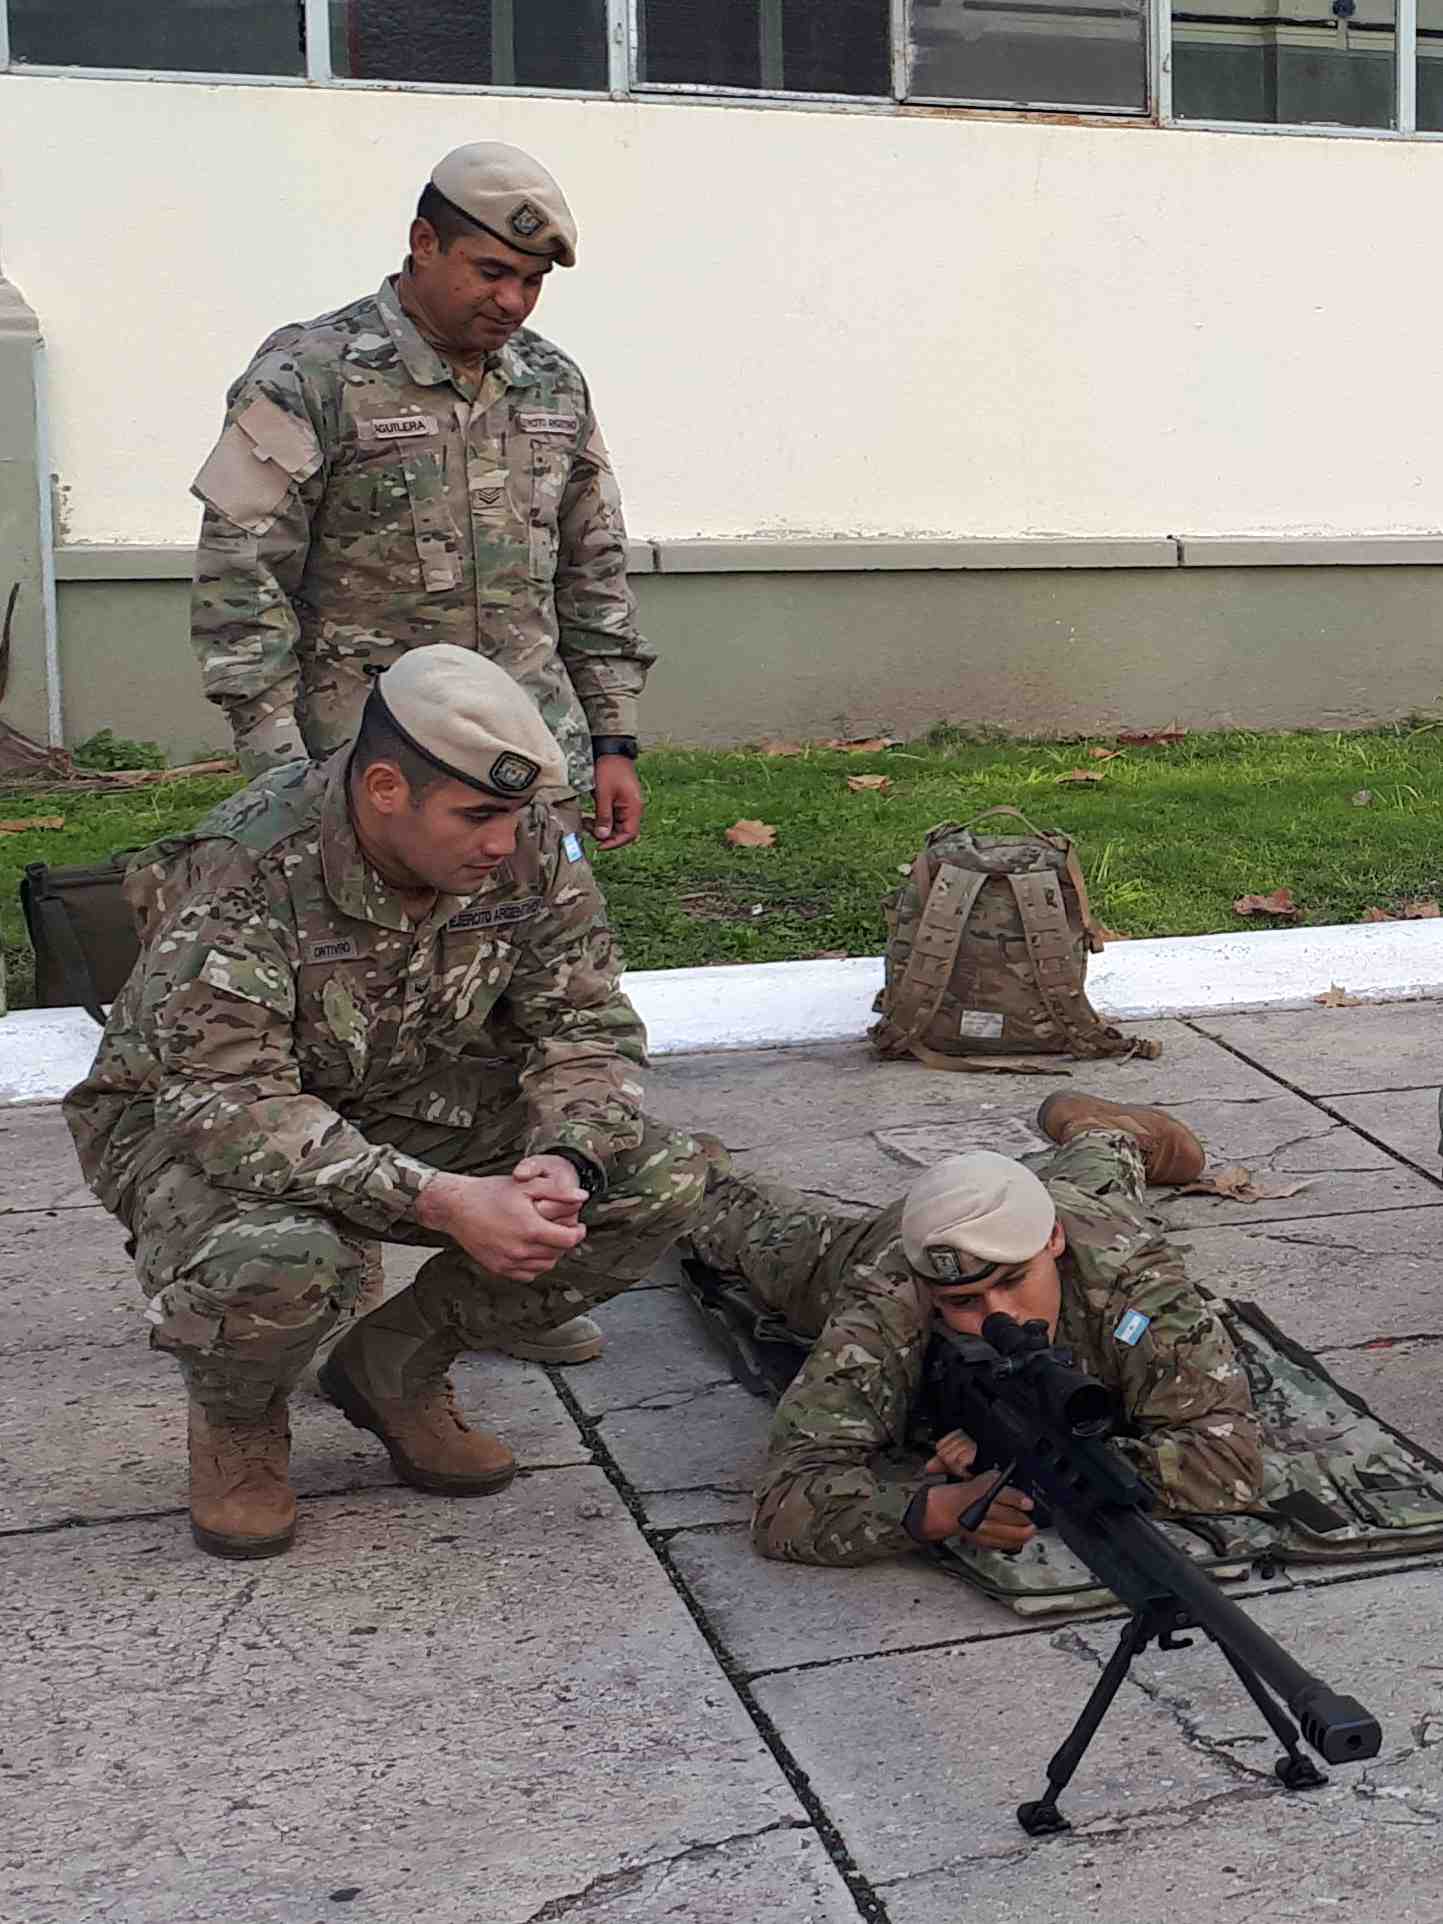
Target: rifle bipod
1159	1620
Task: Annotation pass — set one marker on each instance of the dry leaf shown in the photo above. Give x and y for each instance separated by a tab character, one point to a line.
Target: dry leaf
871	745
1363	798
1146	737
1279	903
1337	997
1111	935
1079	775
1235	1183
826	955
746	834
876	783
1103	754
1421	911
1376	915
784	748
32	821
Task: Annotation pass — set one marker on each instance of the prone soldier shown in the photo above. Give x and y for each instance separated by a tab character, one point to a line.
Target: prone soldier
418	467
1071	1244
377	998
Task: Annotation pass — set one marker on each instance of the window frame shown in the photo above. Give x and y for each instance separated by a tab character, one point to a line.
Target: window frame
623	27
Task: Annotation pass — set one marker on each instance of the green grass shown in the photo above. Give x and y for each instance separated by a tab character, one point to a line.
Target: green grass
1169	837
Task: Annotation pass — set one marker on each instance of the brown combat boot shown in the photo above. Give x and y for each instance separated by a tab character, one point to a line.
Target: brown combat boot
388	1374
578	1340
241	1502
1171	1153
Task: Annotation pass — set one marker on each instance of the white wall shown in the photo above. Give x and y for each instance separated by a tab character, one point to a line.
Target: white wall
794	322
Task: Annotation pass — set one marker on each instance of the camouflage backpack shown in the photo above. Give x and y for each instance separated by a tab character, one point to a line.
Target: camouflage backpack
987	944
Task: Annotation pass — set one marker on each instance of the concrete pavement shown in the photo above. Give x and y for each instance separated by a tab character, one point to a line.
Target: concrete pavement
586	1699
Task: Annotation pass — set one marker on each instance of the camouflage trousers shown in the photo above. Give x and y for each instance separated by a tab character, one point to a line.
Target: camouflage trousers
794	1253
242	1290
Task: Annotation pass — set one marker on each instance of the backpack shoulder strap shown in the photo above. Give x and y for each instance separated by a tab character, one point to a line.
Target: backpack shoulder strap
1049	949
918	994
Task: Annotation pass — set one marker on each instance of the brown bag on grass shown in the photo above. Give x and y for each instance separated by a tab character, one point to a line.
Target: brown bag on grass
987	944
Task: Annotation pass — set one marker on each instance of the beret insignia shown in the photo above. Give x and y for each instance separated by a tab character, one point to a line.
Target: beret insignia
513	774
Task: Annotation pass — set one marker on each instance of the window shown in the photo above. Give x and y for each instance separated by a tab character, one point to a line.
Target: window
1430	65
1371	65
1056	53
1284	62
164	36
766	46
556	44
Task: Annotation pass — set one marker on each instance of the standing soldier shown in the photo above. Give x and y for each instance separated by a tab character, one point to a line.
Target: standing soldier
419	467
377	998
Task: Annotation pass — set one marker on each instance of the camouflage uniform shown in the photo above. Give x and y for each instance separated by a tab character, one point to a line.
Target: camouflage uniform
292	1058
843	1464
365	499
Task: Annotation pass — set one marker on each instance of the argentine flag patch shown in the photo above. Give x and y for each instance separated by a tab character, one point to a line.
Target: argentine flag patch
572	844
1132	1328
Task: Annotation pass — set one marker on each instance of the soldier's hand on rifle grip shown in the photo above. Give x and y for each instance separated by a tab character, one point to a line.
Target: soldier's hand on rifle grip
1006	1526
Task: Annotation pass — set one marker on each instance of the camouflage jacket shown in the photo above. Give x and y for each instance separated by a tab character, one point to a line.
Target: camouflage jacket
843	1467
358	504
283	997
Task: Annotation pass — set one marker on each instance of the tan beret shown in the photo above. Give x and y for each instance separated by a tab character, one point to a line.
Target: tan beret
511	195
971	1210
468	718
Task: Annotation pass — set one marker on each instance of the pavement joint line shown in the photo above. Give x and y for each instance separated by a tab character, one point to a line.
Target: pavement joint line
668	1399
869	1905
1320	1104
58	1524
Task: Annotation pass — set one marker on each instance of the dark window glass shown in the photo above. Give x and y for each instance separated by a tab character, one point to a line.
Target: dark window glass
1051	53
165	36
1430	65
767	46
473	43
1321	65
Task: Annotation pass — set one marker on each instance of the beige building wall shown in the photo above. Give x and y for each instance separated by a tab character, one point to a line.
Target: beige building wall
821	323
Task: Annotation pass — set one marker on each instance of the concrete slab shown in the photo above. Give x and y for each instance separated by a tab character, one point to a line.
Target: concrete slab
770	1616
921	1759
1405	1119
1325	1052
823	1092
38	1169
65	1278
1292	1860
434	1707
1332	1282
657	1355
93	1432
782	1877
713	1442
1400	1383
1283	1140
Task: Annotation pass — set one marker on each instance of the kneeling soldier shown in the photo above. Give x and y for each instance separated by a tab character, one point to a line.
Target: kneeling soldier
1071	1244
378	997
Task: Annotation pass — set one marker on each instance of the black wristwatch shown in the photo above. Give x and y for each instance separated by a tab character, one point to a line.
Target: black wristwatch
589	1174
614	745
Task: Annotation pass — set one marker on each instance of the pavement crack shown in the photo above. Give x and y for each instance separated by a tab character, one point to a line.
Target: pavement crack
624	1883
668	1399
1178	1708
242	1600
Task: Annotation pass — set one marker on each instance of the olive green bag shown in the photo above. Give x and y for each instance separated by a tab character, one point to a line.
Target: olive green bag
987	946
83	933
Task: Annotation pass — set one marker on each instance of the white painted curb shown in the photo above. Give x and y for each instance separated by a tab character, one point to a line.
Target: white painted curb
770	1005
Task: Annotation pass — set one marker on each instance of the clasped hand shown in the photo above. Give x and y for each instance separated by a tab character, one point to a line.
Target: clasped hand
516	1226
1006	1526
